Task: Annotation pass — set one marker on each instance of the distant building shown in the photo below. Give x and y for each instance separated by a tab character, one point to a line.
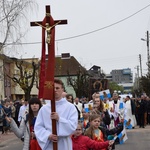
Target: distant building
123	77
96	72
109	77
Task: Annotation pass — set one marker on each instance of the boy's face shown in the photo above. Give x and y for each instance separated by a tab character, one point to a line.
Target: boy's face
58	91
78	131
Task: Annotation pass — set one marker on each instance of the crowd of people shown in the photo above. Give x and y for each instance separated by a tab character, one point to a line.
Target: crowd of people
78	127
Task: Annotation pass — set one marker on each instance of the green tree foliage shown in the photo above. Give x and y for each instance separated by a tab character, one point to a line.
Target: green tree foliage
145	83
114	86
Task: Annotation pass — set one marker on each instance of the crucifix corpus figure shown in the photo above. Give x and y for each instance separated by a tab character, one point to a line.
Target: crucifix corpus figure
57	120
48	30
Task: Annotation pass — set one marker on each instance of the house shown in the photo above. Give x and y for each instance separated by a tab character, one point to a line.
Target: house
16	91
67	66
5	82
8	88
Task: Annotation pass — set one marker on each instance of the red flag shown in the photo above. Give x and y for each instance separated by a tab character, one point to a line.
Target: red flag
46	86
42	65
50	68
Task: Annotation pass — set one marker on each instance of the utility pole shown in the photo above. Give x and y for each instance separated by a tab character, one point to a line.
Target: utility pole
140	64
148	63
138	72
148	59
137	77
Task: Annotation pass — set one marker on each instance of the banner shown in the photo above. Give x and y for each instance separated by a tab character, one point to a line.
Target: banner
105	94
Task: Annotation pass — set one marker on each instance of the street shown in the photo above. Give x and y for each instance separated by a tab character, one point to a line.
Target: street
138	139
11	144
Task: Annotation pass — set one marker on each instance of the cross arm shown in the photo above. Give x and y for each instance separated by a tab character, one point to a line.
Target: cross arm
61	22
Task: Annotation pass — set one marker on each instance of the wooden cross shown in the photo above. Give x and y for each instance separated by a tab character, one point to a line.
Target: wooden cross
48	27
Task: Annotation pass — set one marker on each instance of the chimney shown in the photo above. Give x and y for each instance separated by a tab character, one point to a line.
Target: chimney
65	56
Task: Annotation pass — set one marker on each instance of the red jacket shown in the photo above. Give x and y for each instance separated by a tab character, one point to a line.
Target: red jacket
84	143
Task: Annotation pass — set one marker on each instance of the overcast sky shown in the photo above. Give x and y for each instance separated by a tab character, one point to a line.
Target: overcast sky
115	26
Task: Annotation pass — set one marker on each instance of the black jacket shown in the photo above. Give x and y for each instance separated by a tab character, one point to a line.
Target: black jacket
140	105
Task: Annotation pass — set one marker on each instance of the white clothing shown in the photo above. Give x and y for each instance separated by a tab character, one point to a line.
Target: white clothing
115	114
129	114
117	110
67	124
79	105
22	111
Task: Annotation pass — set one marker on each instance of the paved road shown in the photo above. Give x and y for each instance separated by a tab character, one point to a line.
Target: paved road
138	139
13	144
10	142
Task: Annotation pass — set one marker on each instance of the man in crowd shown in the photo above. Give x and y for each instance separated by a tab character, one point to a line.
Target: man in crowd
130	111
66	117
78	105
23	110
140	105
114	110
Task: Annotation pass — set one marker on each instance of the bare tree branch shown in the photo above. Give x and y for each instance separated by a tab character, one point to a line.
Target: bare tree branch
26	75
13	13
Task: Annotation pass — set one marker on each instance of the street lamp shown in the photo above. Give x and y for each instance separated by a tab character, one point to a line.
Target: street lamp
148	59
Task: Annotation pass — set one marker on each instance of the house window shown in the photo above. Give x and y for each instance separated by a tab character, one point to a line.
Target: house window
68	81
8	83
5	82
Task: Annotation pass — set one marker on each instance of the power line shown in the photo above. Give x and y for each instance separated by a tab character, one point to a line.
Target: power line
76	36
105	26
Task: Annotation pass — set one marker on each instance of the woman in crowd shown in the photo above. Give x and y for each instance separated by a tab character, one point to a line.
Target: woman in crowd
1	119
81	142
7	112
99	105
26	127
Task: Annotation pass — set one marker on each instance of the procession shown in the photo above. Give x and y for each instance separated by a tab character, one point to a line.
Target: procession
101	125
54	102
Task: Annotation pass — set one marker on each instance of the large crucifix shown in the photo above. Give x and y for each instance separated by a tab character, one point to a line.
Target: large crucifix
46	85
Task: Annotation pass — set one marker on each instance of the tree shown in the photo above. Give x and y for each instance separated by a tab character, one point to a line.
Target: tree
12	15
114	86
80	83
26	76
145	83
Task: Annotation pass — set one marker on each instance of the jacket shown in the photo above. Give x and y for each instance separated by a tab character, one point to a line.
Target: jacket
85	143
106	132
23	130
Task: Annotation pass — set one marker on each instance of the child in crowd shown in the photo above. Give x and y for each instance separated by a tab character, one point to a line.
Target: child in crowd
85	119
98	133
81	142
